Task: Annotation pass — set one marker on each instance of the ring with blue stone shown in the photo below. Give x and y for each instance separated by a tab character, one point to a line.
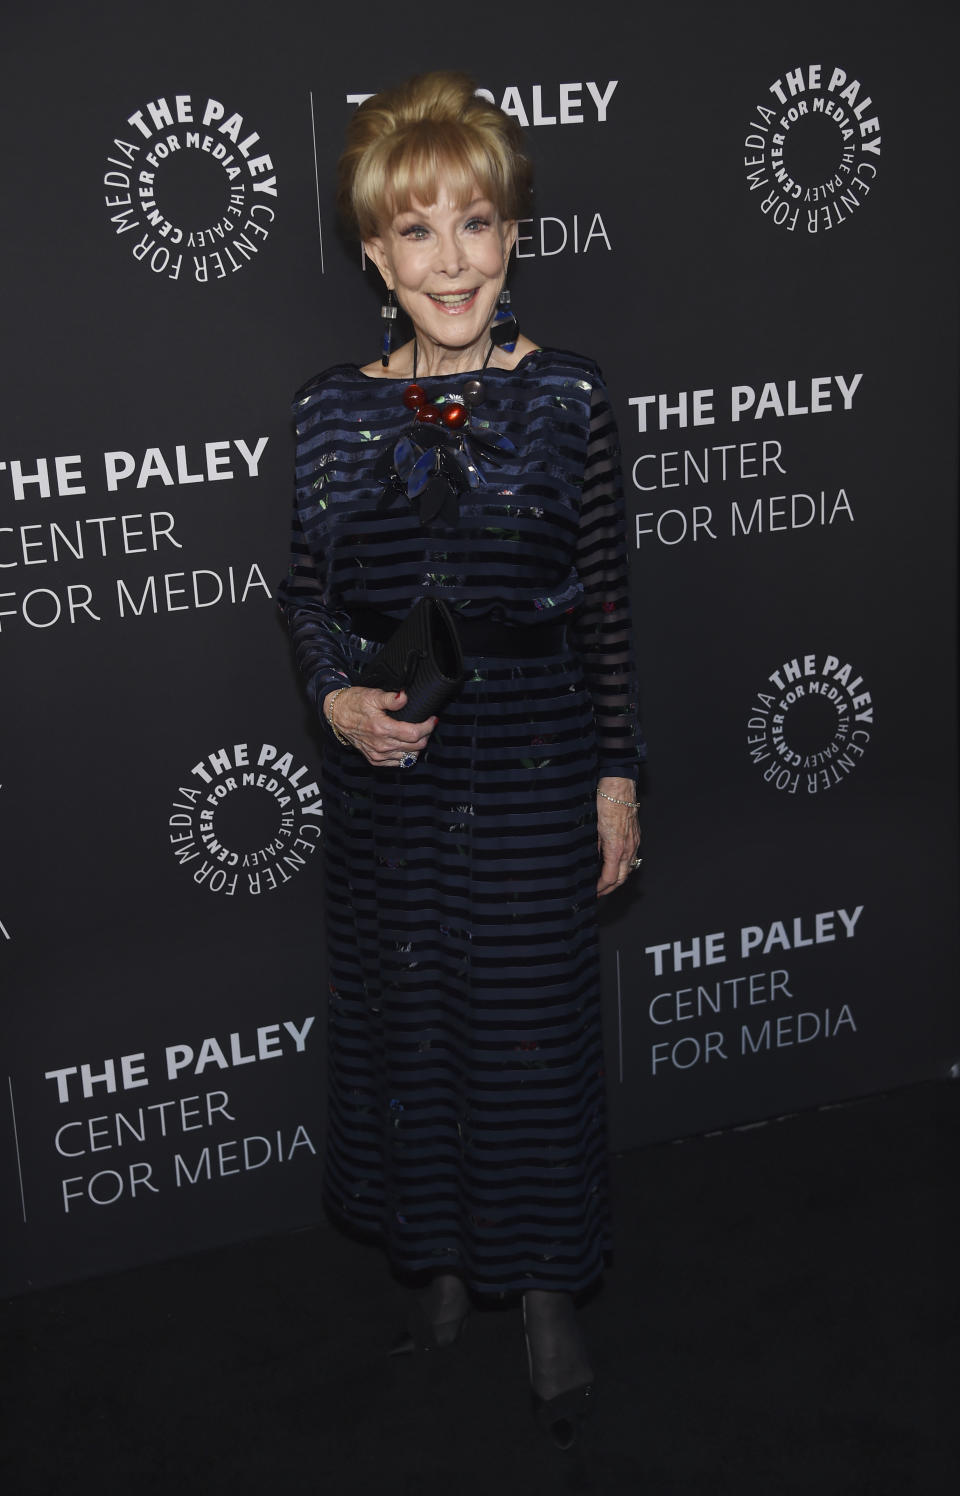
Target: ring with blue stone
408	760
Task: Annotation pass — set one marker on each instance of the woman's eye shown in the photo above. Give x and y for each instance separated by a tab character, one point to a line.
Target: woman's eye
415	231
473	224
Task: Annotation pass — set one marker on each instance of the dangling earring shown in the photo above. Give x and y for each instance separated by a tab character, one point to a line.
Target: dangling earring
505	329
388	312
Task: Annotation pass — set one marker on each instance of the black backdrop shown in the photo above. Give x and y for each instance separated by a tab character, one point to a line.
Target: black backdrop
747	216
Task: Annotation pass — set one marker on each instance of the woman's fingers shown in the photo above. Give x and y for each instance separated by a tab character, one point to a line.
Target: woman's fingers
616	867
609	878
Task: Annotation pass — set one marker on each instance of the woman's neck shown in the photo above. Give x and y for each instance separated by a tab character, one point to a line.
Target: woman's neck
431	359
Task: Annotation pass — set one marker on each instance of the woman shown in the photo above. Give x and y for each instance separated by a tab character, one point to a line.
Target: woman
467	1092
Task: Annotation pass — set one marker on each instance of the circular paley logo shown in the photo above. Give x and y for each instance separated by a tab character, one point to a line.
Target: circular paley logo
811	724
247	820
190	188
811	154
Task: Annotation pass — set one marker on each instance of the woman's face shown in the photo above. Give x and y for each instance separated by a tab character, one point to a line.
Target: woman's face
446	261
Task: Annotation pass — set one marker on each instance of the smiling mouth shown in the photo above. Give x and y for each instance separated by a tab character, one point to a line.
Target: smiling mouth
453	301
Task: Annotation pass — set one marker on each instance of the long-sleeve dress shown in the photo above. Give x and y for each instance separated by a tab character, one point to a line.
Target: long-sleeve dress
466	1111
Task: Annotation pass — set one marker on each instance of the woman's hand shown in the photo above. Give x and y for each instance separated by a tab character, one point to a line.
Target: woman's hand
360	713
618	834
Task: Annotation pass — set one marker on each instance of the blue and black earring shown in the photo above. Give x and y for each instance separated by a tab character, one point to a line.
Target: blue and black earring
505	329
388	312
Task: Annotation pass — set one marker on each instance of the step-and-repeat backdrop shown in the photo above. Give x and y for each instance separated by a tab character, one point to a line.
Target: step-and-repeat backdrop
747	217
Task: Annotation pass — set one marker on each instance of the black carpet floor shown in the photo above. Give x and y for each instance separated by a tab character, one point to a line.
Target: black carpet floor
778	1319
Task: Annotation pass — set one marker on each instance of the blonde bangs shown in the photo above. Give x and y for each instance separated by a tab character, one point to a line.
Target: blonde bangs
419	163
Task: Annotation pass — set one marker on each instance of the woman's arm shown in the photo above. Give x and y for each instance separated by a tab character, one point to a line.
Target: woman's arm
601	628
317	630
602	633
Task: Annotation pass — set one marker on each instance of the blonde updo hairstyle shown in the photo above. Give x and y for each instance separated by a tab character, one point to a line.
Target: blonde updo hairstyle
402	142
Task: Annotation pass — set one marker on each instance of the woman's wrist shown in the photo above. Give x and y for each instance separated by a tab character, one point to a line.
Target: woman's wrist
618	789
617	800
329	709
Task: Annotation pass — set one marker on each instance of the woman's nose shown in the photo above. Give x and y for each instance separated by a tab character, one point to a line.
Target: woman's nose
449	255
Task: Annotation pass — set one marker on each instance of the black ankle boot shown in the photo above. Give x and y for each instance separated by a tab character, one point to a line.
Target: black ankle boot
561	1378
436	1316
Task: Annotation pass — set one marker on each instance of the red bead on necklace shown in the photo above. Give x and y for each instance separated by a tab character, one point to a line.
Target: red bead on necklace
415	398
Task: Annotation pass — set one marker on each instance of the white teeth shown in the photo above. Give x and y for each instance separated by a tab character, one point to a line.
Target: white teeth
451	298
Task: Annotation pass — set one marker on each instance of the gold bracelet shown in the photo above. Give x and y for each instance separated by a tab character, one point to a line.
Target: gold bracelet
633	804
331	723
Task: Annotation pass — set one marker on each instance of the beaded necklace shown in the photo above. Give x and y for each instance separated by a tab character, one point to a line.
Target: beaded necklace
457	410
437	459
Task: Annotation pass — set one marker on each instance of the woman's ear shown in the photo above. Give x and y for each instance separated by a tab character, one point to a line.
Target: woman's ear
509	239
375	251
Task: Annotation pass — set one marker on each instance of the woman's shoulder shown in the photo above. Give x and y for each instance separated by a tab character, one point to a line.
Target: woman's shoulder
336	377
564	363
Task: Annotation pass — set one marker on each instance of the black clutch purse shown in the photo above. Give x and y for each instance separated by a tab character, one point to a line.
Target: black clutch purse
423	657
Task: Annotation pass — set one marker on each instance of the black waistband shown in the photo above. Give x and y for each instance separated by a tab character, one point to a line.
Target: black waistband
478	636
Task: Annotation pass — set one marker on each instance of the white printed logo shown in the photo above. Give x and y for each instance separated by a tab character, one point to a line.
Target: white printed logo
813	152
195	187
811	728
247	820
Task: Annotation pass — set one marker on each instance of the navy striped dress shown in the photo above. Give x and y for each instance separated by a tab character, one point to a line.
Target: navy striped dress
466	1122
